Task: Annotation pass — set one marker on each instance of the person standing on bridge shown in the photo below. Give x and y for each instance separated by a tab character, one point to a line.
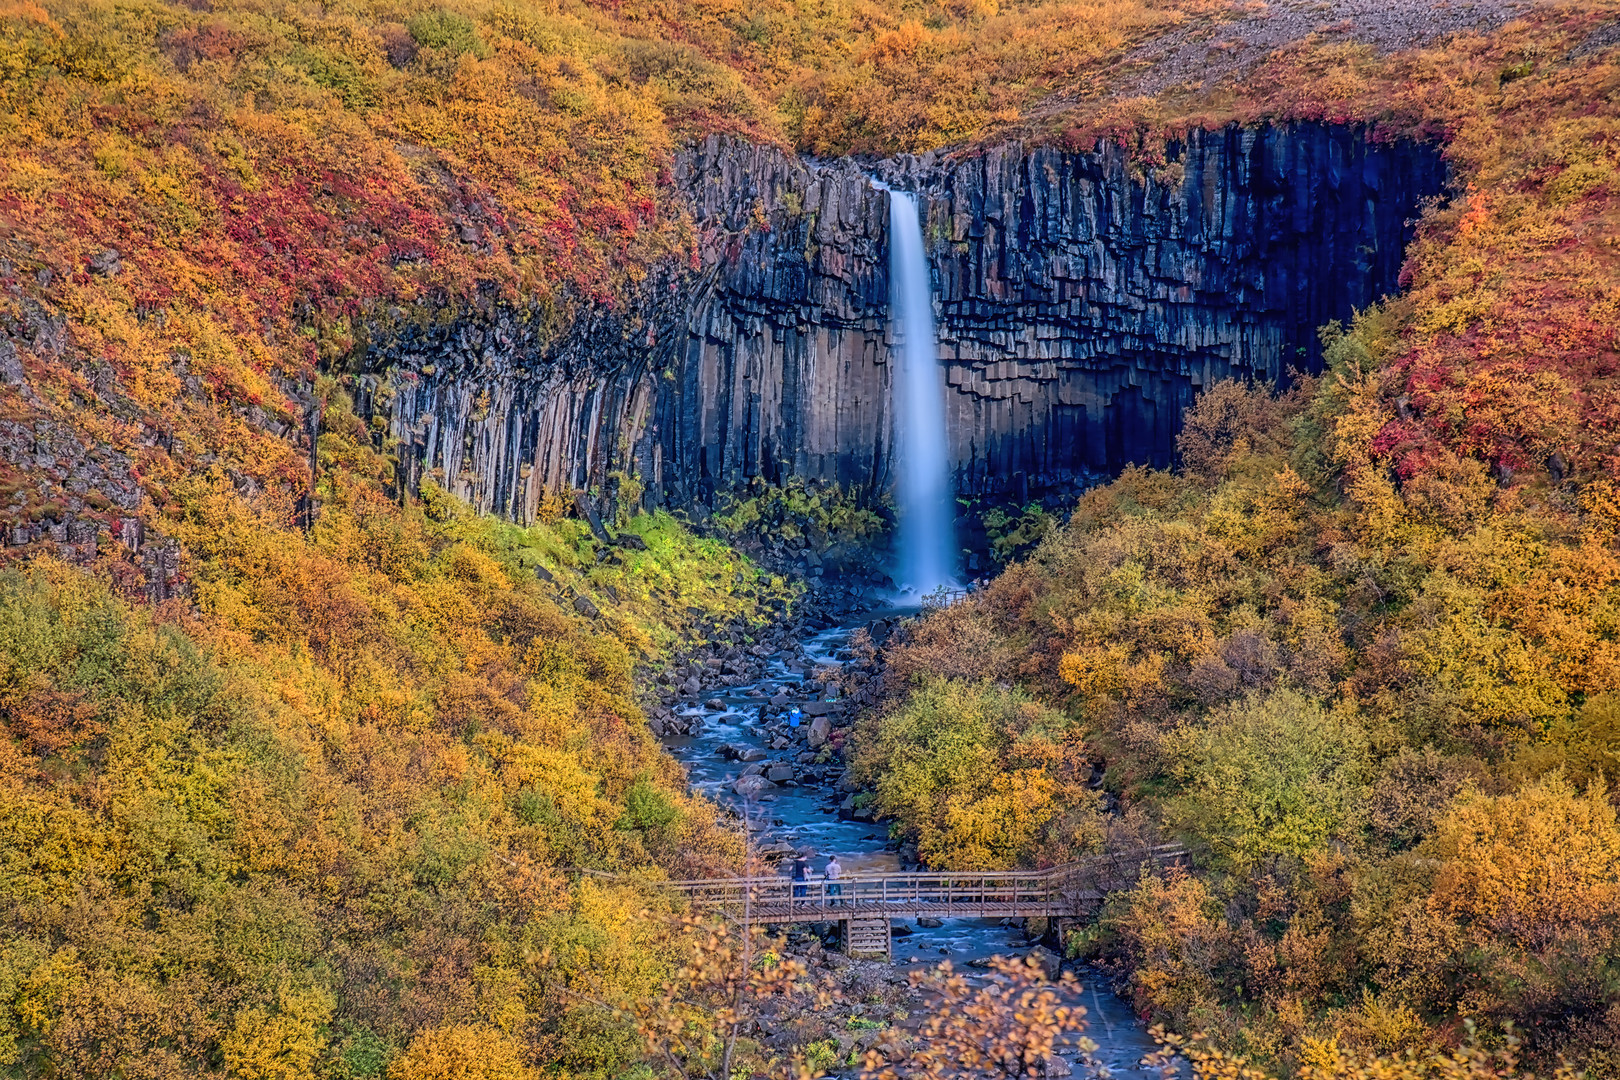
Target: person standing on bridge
801	874
834	872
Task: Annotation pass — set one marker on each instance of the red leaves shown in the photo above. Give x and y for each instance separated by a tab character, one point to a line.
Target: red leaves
48	720
213	41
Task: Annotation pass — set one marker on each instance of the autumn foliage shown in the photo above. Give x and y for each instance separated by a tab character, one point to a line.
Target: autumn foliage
352	811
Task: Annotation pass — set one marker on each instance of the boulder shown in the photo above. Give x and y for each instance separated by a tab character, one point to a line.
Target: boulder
1048	961
928	922
106	263
777	773
583	605
820	731
586	508
714	703
630	542
691	687
751	786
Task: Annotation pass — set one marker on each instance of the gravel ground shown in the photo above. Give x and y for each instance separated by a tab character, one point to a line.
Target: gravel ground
1212	50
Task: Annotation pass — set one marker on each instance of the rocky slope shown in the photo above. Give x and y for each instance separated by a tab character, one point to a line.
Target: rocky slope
1083	301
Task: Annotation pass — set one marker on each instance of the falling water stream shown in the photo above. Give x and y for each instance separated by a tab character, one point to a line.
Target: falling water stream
927	544
803	806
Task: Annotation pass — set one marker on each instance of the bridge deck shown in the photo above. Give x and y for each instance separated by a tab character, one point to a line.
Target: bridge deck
1062	891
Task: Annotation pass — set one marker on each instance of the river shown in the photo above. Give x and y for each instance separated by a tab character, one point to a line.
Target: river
804	812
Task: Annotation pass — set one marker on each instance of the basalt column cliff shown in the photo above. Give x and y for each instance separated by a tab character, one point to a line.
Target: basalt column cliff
1083	301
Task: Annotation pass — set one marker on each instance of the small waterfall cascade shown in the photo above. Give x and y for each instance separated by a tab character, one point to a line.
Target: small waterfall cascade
927	542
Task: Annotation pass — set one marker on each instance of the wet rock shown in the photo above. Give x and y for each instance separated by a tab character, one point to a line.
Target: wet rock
777	773
741	752
752	786
714	703
1048	961
928	922
1053	1066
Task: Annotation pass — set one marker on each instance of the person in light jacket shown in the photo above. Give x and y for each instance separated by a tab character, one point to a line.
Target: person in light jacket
834	872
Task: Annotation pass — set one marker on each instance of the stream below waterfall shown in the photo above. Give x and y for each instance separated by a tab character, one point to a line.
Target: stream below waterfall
803	810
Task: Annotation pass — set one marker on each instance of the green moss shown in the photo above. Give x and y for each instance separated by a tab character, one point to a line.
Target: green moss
823	514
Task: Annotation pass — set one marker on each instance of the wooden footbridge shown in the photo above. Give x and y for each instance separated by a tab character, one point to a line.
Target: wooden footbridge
865	904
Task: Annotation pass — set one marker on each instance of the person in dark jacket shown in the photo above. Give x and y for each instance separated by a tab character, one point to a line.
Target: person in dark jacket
801	873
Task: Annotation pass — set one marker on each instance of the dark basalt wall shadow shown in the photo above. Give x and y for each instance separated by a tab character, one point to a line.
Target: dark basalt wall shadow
1083	301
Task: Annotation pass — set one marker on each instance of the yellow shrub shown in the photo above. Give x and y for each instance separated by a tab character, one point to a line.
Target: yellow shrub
461	1052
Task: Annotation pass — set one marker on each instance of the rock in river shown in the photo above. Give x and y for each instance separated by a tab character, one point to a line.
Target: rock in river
751	786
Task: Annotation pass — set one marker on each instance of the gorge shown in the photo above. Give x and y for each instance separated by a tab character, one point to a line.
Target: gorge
1083	300
455	479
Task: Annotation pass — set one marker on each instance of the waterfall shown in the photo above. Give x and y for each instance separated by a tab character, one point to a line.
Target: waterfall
927	515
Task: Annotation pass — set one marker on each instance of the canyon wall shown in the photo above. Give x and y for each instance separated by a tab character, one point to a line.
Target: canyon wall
1083	301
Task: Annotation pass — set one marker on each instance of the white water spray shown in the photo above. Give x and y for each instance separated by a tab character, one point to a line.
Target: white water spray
927	533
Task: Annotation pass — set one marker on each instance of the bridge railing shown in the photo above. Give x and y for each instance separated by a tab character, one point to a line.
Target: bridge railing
1058	891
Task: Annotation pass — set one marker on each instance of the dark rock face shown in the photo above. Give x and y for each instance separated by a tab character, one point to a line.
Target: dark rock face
1082	303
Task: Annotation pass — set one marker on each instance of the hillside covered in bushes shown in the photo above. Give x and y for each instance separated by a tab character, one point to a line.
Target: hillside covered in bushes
354	806
315	785
1359	649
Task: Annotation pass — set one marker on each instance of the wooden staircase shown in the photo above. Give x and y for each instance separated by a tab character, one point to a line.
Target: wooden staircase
867	939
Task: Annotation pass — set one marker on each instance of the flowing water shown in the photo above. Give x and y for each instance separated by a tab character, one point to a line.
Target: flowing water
926	530
804	812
